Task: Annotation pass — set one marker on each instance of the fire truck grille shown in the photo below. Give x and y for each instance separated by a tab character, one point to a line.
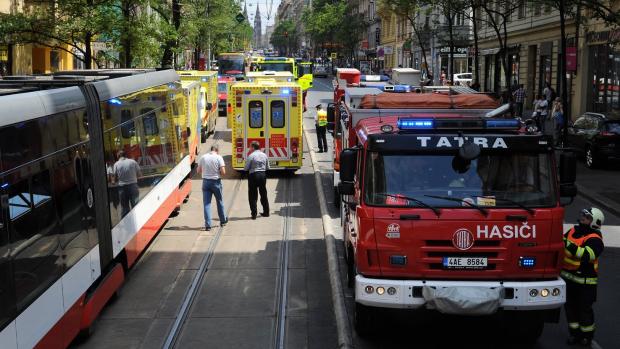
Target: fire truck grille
434	251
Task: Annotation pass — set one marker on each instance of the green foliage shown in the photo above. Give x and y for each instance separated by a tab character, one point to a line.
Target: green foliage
334	23
285	36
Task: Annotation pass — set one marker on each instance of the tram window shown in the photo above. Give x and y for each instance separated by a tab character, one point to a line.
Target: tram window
149	120
256	114
128	128
277	114
34	238
20	143
78	224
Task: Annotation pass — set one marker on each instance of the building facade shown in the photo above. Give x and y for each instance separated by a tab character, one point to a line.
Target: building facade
533	56
257	41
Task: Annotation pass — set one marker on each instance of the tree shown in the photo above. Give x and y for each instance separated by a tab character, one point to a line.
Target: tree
284	36
599	10
72	26
450	9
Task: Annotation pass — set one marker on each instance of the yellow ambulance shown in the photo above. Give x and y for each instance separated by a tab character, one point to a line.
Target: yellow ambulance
208	82
270	112
193	107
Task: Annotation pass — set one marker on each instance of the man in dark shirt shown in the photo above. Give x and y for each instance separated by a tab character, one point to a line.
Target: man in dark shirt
583	246
257	164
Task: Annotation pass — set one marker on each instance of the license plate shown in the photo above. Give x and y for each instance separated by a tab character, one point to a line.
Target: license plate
273	163
464	262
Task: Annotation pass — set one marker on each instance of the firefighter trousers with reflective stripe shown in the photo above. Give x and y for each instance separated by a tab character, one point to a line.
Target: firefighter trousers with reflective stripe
579	313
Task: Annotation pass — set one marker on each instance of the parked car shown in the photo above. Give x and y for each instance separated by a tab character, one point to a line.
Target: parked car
462	79
320	70
596	136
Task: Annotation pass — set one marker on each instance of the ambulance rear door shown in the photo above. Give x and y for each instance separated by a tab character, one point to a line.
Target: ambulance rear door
255	123
278	120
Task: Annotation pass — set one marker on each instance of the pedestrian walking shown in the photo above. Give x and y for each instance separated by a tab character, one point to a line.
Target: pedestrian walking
540	110
257	164
557	116
127	172
583	246
549	94
519	98
320	121
212	167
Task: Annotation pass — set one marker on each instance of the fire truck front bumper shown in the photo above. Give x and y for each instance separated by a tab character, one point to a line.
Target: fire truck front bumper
409	294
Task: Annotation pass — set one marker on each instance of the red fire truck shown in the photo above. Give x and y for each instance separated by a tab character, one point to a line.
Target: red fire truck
449	204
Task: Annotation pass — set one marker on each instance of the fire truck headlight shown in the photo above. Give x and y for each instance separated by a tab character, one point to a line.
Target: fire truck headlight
380	290
555	292
391	291
544	292
369	289
533	292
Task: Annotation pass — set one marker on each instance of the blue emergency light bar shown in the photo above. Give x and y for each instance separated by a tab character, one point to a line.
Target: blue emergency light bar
459	123
415	124
285	91
374	78
397	88
115	101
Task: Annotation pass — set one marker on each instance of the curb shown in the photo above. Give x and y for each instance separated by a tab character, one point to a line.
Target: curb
597	199
340	310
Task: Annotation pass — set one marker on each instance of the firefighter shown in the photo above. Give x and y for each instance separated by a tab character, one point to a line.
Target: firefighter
320	121
583	245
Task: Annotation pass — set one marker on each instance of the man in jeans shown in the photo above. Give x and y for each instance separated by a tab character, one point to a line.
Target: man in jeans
212	166
127	171
257	164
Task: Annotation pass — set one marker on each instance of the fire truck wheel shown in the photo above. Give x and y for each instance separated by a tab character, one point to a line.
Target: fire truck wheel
364	321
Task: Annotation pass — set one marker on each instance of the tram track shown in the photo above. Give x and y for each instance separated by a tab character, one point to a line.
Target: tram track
282	280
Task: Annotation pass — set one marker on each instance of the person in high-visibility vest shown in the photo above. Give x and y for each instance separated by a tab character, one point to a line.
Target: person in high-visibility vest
583	245
320	120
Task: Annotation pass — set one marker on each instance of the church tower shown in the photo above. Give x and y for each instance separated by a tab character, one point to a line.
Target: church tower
258	29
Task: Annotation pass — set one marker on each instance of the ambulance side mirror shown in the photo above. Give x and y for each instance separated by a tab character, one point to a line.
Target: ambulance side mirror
209	106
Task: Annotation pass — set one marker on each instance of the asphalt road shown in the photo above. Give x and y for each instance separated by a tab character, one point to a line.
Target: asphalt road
403	330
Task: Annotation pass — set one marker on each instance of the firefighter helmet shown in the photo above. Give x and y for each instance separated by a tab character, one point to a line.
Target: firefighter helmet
598	218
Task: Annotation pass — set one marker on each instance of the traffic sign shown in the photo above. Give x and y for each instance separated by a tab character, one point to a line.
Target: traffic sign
240	17
334	55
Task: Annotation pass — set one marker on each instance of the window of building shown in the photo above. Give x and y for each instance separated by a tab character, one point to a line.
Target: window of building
459	19
521	10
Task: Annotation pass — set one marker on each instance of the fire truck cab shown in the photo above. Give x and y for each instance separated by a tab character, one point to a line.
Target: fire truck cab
270	112
449	204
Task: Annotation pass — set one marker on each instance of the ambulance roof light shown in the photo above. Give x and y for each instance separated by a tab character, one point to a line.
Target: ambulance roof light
286	91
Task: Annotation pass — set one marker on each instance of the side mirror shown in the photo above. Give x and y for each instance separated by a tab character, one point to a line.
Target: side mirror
209	105
568	168
331	112
348	163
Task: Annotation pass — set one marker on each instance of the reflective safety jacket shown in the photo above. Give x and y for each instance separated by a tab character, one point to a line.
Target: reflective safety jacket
582	249
322	118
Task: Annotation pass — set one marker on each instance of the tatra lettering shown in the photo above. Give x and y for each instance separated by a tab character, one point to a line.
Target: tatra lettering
481	142
423	141
443	142
499	143
460	141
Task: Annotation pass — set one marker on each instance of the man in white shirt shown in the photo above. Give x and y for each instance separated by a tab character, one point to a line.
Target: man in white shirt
212	166
126	172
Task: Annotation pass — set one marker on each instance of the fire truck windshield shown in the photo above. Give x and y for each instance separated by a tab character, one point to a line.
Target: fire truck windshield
498	180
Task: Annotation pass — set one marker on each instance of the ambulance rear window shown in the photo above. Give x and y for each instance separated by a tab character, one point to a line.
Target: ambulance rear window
277	114
256	114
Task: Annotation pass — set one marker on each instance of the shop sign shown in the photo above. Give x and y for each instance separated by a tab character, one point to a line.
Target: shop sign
388	50
457	50
571	59
606	36
364	44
